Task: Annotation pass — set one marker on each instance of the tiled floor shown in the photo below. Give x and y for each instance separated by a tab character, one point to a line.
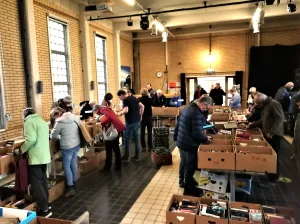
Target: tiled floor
140	193
151	206
108	196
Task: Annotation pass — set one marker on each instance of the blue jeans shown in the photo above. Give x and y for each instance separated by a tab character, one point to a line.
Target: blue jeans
132	129
70	164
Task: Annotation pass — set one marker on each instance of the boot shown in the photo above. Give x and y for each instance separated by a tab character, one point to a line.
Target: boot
70	192
75	186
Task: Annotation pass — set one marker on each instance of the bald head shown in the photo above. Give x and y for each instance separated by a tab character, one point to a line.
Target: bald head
259	98
289	85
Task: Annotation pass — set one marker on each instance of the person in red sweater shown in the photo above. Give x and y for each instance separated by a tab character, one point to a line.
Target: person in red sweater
109	117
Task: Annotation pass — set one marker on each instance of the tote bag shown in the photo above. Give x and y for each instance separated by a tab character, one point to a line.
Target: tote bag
111	133
21	181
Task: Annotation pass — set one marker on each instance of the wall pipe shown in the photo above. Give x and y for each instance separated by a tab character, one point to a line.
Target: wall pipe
177	10
25	52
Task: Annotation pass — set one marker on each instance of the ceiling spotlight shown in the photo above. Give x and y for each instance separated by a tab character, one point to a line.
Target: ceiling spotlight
130	2
144	22
165	36
130	22
291	6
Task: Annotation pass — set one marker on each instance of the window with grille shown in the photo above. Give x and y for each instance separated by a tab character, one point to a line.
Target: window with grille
2	108
58	39
101	67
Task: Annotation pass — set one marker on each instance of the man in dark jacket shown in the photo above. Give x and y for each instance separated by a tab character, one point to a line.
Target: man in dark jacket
199	92
271	121
283	96
150	90
189	134
86	110
159	100
217	95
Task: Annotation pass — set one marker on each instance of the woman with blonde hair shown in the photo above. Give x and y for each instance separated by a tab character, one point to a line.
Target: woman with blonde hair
146	119
252	92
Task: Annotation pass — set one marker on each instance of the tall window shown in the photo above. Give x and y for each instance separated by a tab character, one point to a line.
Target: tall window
101	66
59	58
2	112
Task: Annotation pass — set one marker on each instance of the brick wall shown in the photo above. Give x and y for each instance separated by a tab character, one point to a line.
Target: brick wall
188	55
126	52
105	31
285	36
14	79
42	9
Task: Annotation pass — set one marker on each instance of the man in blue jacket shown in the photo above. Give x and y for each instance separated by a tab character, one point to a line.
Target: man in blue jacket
189	134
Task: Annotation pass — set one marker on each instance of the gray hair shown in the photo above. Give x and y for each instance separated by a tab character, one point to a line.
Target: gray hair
96	107
206	100
260	97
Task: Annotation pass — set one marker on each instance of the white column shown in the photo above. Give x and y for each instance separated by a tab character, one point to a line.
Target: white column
36	99
86	56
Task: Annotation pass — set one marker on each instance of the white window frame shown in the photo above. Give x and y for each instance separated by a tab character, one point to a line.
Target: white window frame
66	54
104	60
3	120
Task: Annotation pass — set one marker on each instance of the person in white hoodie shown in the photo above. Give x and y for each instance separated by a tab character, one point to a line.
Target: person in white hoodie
66	129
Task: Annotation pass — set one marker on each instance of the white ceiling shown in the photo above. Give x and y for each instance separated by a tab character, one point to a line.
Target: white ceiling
226	15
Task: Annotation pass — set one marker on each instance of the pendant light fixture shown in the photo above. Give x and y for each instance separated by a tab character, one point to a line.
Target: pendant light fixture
210	57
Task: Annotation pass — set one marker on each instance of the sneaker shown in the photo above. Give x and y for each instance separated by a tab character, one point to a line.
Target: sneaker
125	159
135	158
45	214
181	184
70	192
49	206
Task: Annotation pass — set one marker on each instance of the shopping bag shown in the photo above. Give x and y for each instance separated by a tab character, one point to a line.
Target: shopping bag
21	165
110	134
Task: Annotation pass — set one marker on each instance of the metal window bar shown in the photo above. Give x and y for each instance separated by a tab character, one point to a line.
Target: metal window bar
100	48
3	122
57	77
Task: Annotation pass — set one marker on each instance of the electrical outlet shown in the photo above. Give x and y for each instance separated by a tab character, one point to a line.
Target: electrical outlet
8	117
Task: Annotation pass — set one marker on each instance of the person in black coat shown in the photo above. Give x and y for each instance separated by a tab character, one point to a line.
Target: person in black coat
199	92
217	95
86	109
146	119
159	100
188	135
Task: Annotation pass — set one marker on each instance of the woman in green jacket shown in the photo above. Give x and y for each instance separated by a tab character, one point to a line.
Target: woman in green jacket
36	145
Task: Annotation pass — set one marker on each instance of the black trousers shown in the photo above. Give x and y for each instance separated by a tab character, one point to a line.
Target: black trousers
39	185
111	146
146	123
275	142
188	166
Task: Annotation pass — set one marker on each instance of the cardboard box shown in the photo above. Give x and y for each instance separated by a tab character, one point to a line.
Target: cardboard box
158	111
100	156
219	117
5	161
97	129
24	216
89	165
213	182
180	218
57	191
287	213
220	136
28	199
252	143
42	220
212	108
256	159
220	159
241	205
221	142
200	219
171	111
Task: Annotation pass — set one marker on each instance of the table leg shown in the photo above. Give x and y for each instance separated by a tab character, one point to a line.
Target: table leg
232	185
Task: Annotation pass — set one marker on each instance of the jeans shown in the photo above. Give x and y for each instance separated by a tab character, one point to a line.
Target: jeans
275	142
188	166
70	164
39	185
109	147
146	123
132	129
